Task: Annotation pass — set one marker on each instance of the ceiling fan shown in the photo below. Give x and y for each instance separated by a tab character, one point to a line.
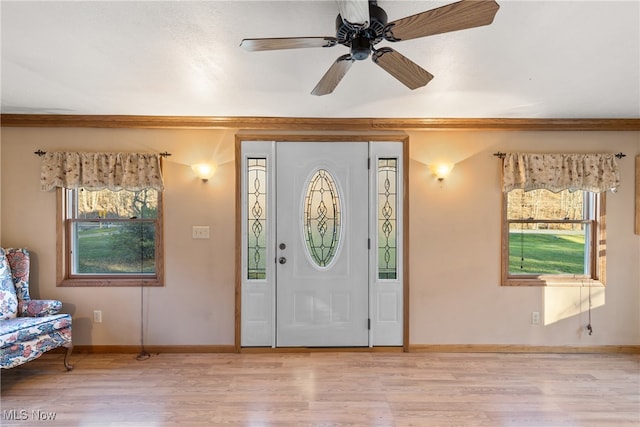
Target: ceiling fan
362	24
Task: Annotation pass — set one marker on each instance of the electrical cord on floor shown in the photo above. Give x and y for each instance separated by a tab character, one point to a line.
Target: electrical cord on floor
589	327
144	355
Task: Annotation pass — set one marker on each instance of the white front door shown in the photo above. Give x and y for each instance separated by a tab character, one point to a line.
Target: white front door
322	228
321	243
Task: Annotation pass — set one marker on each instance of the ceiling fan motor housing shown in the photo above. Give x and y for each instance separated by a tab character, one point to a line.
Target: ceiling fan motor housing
361	40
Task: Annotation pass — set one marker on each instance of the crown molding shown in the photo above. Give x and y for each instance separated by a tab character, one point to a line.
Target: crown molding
311	124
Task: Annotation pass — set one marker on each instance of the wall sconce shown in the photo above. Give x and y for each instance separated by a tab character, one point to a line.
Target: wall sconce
441	170
204	171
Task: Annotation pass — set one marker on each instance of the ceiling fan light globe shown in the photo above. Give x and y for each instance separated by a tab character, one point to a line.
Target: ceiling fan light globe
355	13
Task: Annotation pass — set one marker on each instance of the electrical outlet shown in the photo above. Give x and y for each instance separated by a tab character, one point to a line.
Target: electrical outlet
97	316
200	232
535	317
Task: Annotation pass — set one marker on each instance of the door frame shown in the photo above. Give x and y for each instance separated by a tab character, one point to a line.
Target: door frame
321	137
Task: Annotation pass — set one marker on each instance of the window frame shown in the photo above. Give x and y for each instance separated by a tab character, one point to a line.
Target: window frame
597	250
64	278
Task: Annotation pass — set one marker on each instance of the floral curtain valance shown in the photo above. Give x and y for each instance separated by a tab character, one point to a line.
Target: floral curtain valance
557	172
99	171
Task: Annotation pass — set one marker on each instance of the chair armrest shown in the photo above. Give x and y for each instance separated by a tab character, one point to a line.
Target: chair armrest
39	307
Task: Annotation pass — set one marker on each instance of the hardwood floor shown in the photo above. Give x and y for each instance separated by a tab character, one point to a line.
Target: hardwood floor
325	388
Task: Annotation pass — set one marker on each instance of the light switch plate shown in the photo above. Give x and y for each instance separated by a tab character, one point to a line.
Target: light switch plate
200	231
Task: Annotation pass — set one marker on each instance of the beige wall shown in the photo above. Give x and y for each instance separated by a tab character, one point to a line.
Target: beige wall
0	188
454	230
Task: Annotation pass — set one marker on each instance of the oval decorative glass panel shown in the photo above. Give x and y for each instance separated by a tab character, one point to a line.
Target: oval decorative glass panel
322	218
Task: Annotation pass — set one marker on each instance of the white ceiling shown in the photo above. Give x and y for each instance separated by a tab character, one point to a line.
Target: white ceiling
539	59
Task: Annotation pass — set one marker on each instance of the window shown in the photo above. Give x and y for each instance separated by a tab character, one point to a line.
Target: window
553	230
322	219
256	217
387	190
110	238
553	238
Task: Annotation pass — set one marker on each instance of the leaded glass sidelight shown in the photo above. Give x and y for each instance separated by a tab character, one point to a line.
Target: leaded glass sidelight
387	220
256	218
322	219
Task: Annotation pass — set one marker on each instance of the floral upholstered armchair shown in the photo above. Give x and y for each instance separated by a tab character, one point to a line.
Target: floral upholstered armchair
28	328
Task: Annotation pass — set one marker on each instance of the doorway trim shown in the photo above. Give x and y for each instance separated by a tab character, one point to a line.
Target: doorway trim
318	137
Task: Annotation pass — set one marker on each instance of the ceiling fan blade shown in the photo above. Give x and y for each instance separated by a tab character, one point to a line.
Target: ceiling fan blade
402	68
354	12
456	16
332	77
253	45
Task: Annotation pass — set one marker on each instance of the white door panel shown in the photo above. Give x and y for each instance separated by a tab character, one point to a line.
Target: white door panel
258	226
386	277
322	273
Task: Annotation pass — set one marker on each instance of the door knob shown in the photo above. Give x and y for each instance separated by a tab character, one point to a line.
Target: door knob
282	246
282	260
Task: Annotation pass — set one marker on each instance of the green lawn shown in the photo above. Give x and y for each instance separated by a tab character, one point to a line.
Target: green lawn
546	253
102	254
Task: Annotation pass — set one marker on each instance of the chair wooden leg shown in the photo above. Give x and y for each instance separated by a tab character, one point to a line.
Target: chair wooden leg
67	355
